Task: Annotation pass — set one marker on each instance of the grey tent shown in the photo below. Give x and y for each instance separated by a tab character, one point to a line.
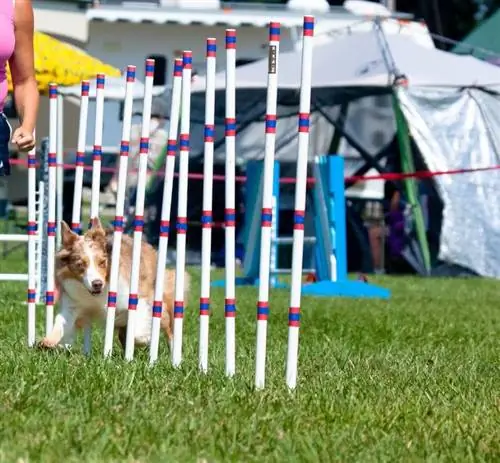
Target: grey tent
448	102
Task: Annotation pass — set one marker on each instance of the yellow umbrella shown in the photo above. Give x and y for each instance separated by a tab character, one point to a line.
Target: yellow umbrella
63	64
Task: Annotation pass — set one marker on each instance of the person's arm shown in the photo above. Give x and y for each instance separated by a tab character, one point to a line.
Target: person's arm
22	69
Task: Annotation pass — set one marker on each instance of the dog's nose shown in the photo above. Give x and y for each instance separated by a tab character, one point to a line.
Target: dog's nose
97	285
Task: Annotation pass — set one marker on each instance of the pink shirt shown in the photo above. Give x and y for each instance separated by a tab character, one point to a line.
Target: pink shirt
7	41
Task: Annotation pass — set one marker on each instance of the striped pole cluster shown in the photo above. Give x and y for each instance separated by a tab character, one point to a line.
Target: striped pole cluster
120	205
51	200
80	157
139	209
97	151
180	109
187	62
32	241
267	205
206	218
300	203
175	107
230	203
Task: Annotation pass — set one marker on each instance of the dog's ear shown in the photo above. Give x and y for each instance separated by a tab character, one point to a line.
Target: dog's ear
63	257
95	224
67	235
96	230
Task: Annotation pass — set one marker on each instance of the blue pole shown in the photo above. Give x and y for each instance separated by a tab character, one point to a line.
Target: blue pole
337	209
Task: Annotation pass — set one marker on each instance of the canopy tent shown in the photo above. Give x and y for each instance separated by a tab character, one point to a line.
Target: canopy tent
484	40
367	89
364	60
64	64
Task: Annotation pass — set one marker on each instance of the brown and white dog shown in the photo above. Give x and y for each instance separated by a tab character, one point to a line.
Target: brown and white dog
83	266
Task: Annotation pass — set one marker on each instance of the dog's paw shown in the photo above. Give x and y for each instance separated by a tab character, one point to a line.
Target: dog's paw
47	343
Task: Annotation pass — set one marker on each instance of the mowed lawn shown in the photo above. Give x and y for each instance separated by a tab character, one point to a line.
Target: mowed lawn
412	379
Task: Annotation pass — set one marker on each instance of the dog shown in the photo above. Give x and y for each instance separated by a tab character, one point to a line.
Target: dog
82	273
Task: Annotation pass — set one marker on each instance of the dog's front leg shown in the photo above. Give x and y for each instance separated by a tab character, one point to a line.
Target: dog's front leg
64	326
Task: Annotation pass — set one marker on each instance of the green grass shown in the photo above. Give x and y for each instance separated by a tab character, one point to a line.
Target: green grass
416	378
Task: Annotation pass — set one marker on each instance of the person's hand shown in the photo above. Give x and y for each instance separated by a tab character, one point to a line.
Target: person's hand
24	139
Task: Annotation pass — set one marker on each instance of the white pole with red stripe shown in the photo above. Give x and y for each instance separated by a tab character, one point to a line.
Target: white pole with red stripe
206	219
51	202
60	168
76	218
230	204
97	151
32	245
76	225
96	174
187	62
267	205
133	300
168	181
120	206
300	203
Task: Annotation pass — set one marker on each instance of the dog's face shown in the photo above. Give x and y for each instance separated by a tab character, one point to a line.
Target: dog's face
84	258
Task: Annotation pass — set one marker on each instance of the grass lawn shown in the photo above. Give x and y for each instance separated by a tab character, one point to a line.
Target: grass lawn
416	378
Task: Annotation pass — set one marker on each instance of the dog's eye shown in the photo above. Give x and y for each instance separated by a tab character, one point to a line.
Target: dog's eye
63	259
79	265
102	263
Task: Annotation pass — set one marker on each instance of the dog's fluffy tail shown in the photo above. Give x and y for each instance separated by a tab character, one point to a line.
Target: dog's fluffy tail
169	285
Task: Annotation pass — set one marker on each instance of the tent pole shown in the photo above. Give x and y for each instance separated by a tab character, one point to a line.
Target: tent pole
363	170
408	166
337	134
367	157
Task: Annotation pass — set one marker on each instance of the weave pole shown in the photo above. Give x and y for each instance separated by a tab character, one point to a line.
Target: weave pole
60	167
32	247
230	204
51	205
120	206
96	170
206	218
187	62
300	203
76	218
267	205
168	181
76	225
97	151
133	299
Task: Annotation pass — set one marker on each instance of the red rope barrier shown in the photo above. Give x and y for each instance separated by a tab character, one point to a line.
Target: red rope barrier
392	176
